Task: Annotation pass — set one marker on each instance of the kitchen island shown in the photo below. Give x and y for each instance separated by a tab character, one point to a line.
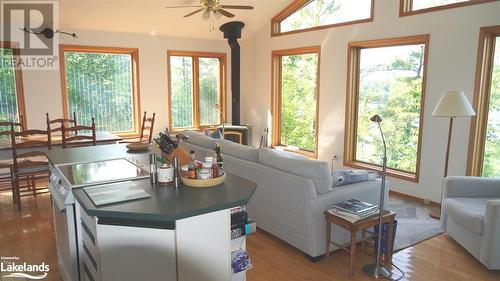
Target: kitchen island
175	234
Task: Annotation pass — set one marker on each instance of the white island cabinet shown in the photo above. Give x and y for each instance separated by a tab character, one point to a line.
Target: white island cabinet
197	248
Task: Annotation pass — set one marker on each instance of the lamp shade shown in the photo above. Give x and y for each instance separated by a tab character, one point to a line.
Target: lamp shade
453	104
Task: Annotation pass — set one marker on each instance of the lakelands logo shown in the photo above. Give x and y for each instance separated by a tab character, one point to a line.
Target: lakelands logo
23	270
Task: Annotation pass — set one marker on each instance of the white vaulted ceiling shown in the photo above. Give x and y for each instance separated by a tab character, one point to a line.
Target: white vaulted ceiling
150	16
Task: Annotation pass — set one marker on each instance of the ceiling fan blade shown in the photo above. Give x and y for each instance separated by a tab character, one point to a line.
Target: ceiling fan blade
175	7
195	12
226	13
239	7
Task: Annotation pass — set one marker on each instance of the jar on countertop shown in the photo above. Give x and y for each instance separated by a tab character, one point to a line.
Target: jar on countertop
204	174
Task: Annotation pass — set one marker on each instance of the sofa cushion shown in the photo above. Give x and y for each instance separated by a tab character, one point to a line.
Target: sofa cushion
315	170
200	139
239	151
469	212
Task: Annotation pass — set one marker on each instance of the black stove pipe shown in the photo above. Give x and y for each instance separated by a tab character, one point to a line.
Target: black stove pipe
232	31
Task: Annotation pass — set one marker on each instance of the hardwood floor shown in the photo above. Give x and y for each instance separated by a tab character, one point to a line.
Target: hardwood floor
439	258
29	236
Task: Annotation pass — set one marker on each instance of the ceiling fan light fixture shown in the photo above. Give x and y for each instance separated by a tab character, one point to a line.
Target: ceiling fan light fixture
217	14
206	14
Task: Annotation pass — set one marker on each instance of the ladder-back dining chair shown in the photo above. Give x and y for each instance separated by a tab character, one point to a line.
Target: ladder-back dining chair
28	161
146	130
6	165
56	124
78	135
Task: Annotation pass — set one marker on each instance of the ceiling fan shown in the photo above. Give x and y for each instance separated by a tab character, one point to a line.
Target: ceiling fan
212	7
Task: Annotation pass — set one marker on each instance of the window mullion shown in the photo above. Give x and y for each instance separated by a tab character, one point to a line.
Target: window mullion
196	92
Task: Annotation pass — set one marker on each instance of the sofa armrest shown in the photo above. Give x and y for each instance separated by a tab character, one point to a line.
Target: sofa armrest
472	187
490	247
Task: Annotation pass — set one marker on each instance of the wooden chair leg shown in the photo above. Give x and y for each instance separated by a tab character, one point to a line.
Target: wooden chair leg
33	185
18	195
13	187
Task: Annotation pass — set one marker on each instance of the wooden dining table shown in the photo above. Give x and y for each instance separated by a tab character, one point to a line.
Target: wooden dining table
56	140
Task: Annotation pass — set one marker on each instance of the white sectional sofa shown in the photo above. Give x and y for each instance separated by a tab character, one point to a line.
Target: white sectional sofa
292	193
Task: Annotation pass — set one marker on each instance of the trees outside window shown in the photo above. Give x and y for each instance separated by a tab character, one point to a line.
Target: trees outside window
387	77
491	164
304	15
196	89
11	88
295	99
101	82
484	141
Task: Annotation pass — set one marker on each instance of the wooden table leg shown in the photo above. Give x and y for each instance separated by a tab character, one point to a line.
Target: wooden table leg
353	252
390	245
327	237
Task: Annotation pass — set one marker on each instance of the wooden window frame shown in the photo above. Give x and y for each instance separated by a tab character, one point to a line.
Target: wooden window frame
481	101
134	54
21	105
297	5
276	97
196	78
351	116
405	7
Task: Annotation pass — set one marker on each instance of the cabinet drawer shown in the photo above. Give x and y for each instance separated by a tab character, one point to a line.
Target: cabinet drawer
87	275
89	240
89	221
90	261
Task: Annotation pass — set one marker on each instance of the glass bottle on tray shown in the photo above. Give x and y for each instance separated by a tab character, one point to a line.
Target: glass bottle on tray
191	174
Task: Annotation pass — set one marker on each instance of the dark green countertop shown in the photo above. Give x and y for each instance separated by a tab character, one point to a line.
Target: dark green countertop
166	204
60	155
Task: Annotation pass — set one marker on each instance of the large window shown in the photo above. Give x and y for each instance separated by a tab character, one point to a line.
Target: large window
295	99
484	143
304	15
386	77
410	7
11	86
196	89
103	83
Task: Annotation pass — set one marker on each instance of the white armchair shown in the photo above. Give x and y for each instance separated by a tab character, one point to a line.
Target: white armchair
470	214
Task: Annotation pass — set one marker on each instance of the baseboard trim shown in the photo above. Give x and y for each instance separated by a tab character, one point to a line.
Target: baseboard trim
412	198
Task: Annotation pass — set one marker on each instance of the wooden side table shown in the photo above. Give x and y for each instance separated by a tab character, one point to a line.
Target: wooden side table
354	227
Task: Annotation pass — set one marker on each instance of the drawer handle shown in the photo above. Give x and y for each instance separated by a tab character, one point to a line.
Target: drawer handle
87	272
87	230
89	255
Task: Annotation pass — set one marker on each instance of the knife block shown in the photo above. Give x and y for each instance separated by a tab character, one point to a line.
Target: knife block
180	153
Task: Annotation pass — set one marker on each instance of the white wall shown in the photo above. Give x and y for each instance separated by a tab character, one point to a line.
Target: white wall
42	89
452	57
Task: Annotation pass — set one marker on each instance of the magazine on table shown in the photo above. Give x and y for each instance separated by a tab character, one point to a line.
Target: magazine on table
355	206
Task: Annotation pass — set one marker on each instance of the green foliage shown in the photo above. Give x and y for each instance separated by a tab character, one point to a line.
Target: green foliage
182	91
393	91
209	91
298	100
181	74
8	93
313	14
491	164
99	85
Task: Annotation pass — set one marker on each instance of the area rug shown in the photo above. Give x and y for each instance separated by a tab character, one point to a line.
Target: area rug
414	223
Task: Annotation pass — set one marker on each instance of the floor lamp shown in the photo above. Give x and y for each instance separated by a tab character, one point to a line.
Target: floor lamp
376	269
452	104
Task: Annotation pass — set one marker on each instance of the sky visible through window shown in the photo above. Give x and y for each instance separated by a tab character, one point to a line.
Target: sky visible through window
390	84
424	4
326	12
